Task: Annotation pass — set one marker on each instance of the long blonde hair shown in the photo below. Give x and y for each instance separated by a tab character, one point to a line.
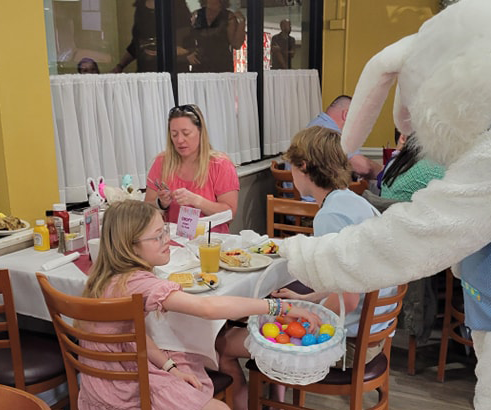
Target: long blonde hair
172	160
123	223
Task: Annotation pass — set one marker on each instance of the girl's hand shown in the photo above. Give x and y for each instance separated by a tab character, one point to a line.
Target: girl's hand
183	197
314	320
187	377
285	293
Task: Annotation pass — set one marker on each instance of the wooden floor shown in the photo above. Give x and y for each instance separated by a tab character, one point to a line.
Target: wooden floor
421	391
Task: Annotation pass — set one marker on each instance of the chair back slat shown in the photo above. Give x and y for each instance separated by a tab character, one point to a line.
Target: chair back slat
10	325
280	177
86	311
281	206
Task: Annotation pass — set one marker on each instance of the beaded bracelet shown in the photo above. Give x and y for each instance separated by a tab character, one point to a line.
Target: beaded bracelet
278	307
287	309
271	306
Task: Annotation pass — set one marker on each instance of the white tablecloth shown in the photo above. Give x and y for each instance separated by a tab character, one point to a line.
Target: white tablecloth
171	331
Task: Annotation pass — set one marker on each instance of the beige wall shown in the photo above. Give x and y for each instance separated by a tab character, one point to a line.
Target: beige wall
356	30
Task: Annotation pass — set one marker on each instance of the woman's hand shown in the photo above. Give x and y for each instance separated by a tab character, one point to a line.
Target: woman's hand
193	58
187	377
314	320
183	197
285	293
165	197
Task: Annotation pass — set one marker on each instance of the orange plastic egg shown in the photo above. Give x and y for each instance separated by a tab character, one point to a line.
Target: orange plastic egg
283	338
295	329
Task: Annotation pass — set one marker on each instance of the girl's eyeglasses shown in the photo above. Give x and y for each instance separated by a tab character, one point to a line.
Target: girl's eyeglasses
162	238
189	108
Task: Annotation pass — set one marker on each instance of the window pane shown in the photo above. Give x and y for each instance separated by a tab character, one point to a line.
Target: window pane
84	29
286	25
215	39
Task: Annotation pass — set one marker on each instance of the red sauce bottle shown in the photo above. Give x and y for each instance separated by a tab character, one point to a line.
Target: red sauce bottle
60	211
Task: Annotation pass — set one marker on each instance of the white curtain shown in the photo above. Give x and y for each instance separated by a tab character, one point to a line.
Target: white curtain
229	104
109	125
291	99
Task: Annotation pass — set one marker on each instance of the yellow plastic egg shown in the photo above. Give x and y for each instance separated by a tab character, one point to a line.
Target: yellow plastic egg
270	330
327	329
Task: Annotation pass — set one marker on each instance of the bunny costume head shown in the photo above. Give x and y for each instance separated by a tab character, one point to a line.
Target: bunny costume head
443	95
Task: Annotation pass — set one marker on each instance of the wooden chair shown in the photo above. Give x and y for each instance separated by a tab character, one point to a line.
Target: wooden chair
281	206
108	310
453	319
359	187
29	361
280	177
11	398
98	310
354	381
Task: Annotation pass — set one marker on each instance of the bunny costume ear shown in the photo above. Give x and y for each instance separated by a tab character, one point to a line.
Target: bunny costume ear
91	186
371	91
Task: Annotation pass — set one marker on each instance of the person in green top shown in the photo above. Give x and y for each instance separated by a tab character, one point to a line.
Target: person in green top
408	174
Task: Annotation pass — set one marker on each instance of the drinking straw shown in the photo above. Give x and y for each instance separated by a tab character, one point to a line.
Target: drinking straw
209	232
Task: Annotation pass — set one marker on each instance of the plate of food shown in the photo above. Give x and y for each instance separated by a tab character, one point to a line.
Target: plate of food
11	224
238	260
195	283
269	248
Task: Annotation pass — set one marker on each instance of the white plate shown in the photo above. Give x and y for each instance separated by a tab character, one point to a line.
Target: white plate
26	227
257	262
201	288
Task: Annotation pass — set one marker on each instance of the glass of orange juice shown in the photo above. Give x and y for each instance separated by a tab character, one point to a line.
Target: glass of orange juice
200	229
209	255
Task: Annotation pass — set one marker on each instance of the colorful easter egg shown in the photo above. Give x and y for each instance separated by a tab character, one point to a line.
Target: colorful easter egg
271	339
309	340
327	328
270	330
283	338
295	329
323	337
296	341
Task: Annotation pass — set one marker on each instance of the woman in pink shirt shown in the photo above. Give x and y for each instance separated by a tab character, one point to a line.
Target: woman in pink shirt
189	172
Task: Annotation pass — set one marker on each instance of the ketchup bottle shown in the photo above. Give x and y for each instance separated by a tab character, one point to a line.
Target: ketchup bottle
60	211
53	233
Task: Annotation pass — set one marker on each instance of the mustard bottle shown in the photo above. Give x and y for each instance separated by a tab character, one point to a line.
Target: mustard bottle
41	236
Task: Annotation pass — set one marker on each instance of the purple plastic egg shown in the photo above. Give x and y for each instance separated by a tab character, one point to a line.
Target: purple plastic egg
296	341
279	325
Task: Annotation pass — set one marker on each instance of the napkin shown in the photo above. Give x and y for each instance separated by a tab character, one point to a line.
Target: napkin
218	218
251	238
181	259
63	260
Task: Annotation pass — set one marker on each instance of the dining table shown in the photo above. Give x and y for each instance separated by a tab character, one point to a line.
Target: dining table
170	330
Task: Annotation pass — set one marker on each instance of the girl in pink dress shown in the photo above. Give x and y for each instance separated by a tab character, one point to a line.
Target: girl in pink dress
134	239
190	172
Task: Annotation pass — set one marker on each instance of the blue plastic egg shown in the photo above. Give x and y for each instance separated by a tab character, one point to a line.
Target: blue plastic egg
323	338
308	340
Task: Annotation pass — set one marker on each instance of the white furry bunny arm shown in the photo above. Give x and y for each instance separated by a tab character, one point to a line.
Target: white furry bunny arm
371	91
446	221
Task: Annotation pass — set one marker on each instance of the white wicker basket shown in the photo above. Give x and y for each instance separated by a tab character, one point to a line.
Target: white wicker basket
296	364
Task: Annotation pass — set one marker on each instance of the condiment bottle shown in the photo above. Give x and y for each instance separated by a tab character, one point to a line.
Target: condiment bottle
41	236
60	210
53	233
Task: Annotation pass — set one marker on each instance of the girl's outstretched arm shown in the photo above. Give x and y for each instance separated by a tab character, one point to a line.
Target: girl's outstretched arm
229	307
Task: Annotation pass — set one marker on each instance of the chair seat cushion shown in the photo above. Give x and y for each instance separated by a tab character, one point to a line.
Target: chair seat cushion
41	356
220	380
338	377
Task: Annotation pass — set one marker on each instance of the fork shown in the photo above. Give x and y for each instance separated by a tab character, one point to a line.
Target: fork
200	280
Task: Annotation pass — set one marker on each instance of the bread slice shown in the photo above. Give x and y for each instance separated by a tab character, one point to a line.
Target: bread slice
186	280
236	258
